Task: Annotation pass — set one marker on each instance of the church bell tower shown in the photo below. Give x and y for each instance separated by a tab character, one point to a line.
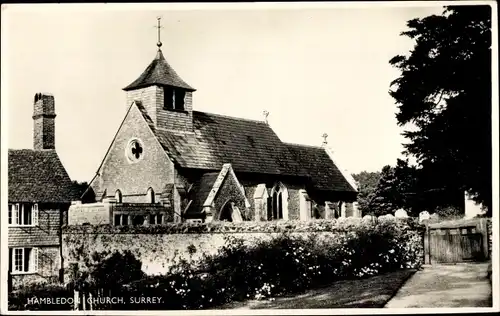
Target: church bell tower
165	96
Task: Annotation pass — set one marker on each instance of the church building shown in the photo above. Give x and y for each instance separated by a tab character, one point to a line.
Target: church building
171	163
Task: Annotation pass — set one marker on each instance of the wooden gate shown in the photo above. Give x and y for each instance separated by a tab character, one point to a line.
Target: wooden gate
452	245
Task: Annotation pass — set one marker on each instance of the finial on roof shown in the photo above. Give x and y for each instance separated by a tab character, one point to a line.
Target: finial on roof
325	135
266	114
159	27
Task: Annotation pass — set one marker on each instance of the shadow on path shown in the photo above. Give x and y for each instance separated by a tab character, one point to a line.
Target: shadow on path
371	292
460	285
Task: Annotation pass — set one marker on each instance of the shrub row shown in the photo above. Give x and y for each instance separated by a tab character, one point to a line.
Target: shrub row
285	264
334	225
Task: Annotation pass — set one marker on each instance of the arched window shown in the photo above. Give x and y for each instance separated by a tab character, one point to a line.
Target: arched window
118	196
151	196
278	203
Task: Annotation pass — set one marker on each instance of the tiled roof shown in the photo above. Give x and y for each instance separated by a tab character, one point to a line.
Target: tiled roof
38	176
159	72
200	191
249	146
323	172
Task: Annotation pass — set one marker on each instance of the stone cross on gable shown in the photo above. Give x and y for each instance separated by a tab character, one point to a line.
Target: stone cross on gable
325	135
266	114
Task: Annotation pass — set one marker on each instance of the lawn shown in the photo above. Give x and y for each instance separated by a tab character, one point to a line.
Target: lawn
373	292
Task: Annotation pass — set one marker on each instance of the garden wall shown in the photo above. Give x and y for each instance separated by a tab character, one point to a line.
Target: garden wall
158	247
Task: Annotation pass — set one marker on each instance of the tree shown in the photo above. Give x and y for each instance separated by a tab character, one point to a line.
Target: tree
367	182
444	91
397	188
79	187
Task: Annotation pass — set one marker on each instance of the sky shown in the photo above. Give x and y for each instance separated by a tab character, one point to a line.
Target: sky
315	68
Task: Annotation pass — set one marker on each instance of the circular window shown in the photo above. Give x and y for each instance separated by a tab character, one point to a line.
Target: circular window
134	150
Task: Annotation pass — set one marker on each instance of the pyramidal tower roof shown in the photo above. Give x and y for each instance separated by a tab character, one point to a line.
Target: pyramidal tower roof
159	72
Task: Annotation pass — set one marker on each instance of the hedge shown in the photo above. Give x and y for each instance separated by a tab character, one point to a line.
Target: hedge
321	225
284	264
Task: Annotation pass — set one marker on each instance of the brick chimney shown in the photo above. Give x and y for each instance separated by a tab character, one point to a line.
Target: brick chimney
44	122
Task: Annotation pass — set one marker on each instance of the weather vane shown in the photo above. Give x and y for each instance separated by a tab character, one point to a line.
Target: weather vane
159	27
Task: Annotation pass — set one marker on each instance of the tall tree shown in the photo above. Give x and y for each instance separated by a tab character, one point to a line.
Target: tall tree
444	91
367	183
397	188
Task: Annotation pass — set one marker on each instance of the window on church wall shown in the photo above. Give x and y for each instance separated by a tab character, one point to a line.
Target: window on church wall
151	196
155	219
134	150
138	220
276	204
179	96
118	196
173	98
168	98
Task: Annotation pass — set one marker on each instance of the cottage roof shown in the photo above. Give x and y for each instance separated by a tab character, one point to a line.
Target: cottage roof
159	72
38	176
324	173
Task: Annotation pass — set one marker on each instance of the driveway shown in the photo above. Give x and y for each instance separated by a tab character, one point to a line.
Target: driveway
459	285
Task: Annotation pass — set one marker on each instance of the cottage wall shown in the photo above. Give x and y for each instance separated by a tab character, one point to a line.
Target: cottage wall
45	234
49	263
133	179
46	237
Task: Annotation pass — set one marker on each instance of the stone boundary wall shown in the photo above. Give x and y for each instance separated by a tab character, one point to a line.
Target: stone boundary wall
160	246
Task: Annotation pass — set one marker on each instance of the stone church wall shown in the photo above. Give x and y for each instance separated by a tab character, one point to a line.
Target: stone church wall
229	191
154	169
293	202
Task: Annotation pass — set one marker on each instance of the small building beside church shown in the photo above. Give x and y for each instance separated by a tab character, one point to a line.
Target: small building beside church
171	163
39	194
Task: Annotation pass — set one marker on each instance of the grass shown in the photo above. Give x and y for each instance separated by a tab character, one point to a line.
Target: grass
372	292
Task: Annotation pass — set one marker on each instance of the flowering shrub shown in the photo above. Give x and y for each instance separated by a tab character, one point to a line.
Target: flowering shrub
284	263
290	263
319	225
23	299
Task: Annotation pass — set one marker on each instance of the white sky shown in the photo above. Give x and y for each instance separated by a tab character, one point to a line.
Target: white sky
315	71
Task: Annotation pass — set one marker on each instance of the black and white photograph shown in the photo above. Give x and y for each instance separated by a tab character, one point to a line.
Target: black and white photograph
249	158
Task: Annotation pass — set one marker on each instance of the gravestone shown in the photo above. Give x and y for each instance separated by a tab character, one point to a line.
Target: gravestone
434	217
386	217
368	218
401	214
423	216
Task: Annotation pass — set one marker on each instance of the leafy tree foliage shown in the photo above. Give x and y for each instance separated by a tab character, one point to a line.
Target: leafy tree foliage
367	182
395	189
406	186
444	91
